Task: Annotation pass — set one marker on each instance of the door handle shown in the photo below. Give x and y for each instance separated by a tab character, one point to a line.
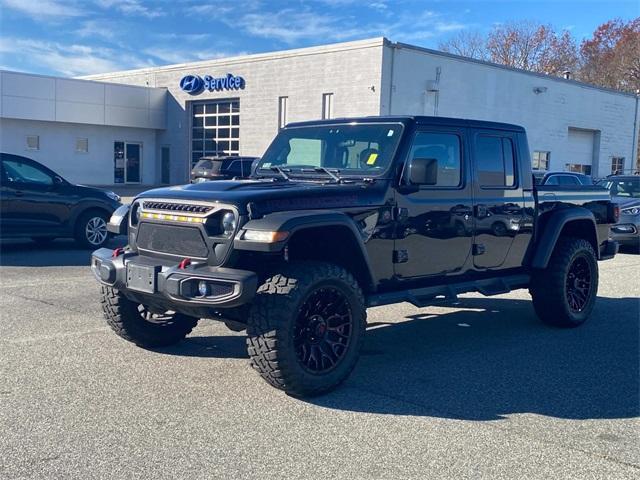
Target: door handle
480	211
18	193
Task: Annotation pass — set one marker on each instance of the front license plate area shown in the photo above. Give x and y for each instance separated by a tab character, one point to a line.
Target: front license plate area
142	278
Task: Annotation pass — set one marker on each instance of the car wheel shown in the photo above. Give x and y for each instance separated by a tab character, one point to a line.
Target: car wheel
91	229
499	229
564	293
138	324
305	328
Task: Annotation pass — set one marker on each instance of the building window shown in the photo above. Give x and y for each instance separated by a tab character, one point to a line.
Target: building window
578	168
282	111
82	145
540	160
617	165
327	105
33	142
215	129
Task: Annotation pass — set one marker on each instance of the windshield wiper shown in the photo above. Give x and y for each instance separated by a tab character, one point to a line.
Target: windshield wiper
334	174
281	171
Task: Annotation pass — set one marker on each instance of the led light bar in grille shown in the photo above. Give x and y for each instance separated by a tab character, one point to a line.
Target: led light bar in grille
173	218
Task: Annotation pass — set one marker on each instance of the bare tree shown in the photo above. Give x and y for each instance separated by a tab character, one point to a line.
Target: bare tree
466	43
538	48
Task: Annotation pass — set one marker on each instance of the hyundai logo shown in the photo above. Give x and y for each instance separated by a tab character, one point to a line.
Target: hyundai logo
191	84
194	84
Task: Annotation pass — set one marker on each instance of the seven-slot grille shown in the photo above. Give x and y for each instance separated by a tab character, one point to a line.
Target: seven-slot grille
177	207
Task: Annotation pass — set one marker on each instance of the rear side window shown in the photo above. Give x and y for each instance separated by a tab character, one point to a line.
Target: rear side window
495	161
445	148
562	180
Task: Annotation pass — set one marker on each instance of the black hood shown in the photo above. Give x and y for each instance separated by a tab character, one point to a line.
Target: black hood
270	196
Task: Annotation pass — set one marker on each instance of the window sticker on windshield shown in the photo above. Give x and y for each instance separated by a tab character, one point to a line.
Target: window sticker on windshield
390	133
372	159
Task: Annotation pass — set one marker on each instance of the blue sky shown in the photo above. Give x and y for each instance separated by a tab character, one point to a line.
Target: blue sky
77	37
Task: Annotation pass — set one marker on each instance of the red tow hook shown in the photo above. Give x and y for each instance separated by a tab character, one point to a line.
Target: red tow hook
184	263
117	252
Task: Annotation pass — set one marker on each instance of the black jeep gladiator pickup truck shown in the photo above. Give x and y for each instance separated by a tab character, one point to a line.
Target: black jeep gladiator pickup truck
341	215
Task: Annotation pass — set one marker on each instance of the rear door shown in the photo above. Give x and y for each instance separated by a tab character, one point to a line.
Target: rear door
434	227
498	196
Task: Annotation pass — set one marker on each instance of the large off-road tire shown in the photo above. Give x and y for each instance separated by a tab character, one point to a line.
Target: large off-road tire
306	326
565	292
137	324
91	229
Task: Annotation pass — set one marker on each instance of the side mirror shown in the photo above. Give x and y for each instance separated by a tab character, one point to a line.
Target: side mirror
423	171
58	180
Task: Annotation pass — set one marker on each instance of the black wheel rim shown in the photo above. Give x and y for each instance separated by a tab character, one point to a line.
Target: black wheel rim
578	284
323	330
157	318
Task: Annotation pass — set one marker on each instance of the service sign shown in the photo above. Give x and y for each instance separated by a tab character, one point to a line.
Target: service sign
195	84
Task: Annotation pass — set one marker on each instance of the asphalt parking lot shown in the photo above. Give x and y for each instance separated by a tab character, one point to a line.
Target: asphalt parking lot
476	389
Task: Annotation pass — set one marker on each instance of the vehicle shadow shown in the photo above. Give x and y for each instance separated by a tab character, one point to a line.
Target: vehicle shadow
494	358
229	346
59	253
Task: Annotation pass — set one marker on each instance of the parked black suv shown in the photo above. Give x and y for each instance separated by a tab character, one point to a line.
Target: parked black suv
40	204
221	168
342	215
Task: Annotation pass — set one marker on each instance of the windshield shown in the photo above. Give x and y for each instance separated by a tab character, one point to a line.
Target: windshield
365	150
627	187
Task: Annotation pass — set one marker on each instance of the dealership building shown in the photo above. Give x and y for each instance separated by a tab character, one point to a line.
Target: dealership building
148	126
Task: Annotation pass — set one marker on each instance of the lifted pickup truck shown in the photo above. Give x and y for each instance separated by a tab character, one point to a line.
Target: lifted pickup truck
341	215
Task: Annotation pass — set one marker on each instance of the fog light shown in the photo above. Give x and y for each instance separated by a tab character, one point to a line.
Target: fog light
203	288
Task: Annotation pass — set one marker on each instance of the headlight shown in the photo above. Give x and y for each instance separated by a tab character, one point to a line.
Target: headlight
631	210
229	223
113	196
264	236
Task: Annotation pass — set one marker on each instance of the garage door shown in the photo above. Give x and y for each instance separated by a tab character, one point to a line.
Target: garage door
580	151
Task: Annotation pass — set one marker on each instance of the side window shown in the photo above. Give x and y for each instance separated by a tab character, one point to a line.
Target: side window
495	161
17	171
567	180
445	148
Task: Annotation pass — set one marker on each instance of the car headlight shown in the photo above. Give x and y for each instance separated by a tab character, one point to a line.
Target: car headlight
229	223
113	196
631	210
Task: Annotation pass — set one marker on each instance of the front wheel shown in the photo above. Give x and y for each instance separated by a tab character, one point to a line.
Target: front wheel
139	324
91	229
305	328
564	293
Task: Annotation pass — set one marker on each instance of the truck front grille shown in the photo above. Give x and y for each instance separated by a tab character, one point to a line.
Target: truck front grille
172	239
176	207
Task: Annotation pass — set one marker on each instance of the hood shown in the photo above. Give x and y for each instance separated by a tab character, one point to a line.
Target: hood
271	196
626	202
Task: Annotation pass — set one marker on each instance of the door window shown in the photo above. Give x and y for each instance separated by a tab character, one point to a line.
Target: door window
495	161
562	180
445	148
19	172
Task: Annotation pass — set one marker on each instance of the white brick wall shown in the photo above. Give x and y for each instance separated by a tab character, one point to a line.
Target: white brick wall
351	71
482	91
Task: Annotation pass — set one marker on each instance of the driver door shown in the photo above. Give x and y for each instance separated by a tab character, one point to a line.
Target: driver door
30	202
435	222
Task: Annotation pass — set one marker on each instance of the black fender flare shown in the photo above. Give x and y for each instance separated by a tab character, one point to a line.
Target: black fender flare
295	221
555	222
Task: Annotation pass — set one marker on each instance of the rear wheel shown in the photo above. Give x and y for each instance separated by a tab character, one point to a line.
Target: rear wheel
91	229
306	326
564	293
140	325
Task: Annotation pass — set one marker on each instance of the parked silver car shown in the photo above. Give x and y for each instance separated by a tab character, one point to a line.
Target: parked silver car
625	191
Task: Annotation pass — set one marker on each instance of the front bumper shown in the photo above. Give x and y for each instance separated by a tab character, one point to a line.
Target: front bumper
151	280
626	233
